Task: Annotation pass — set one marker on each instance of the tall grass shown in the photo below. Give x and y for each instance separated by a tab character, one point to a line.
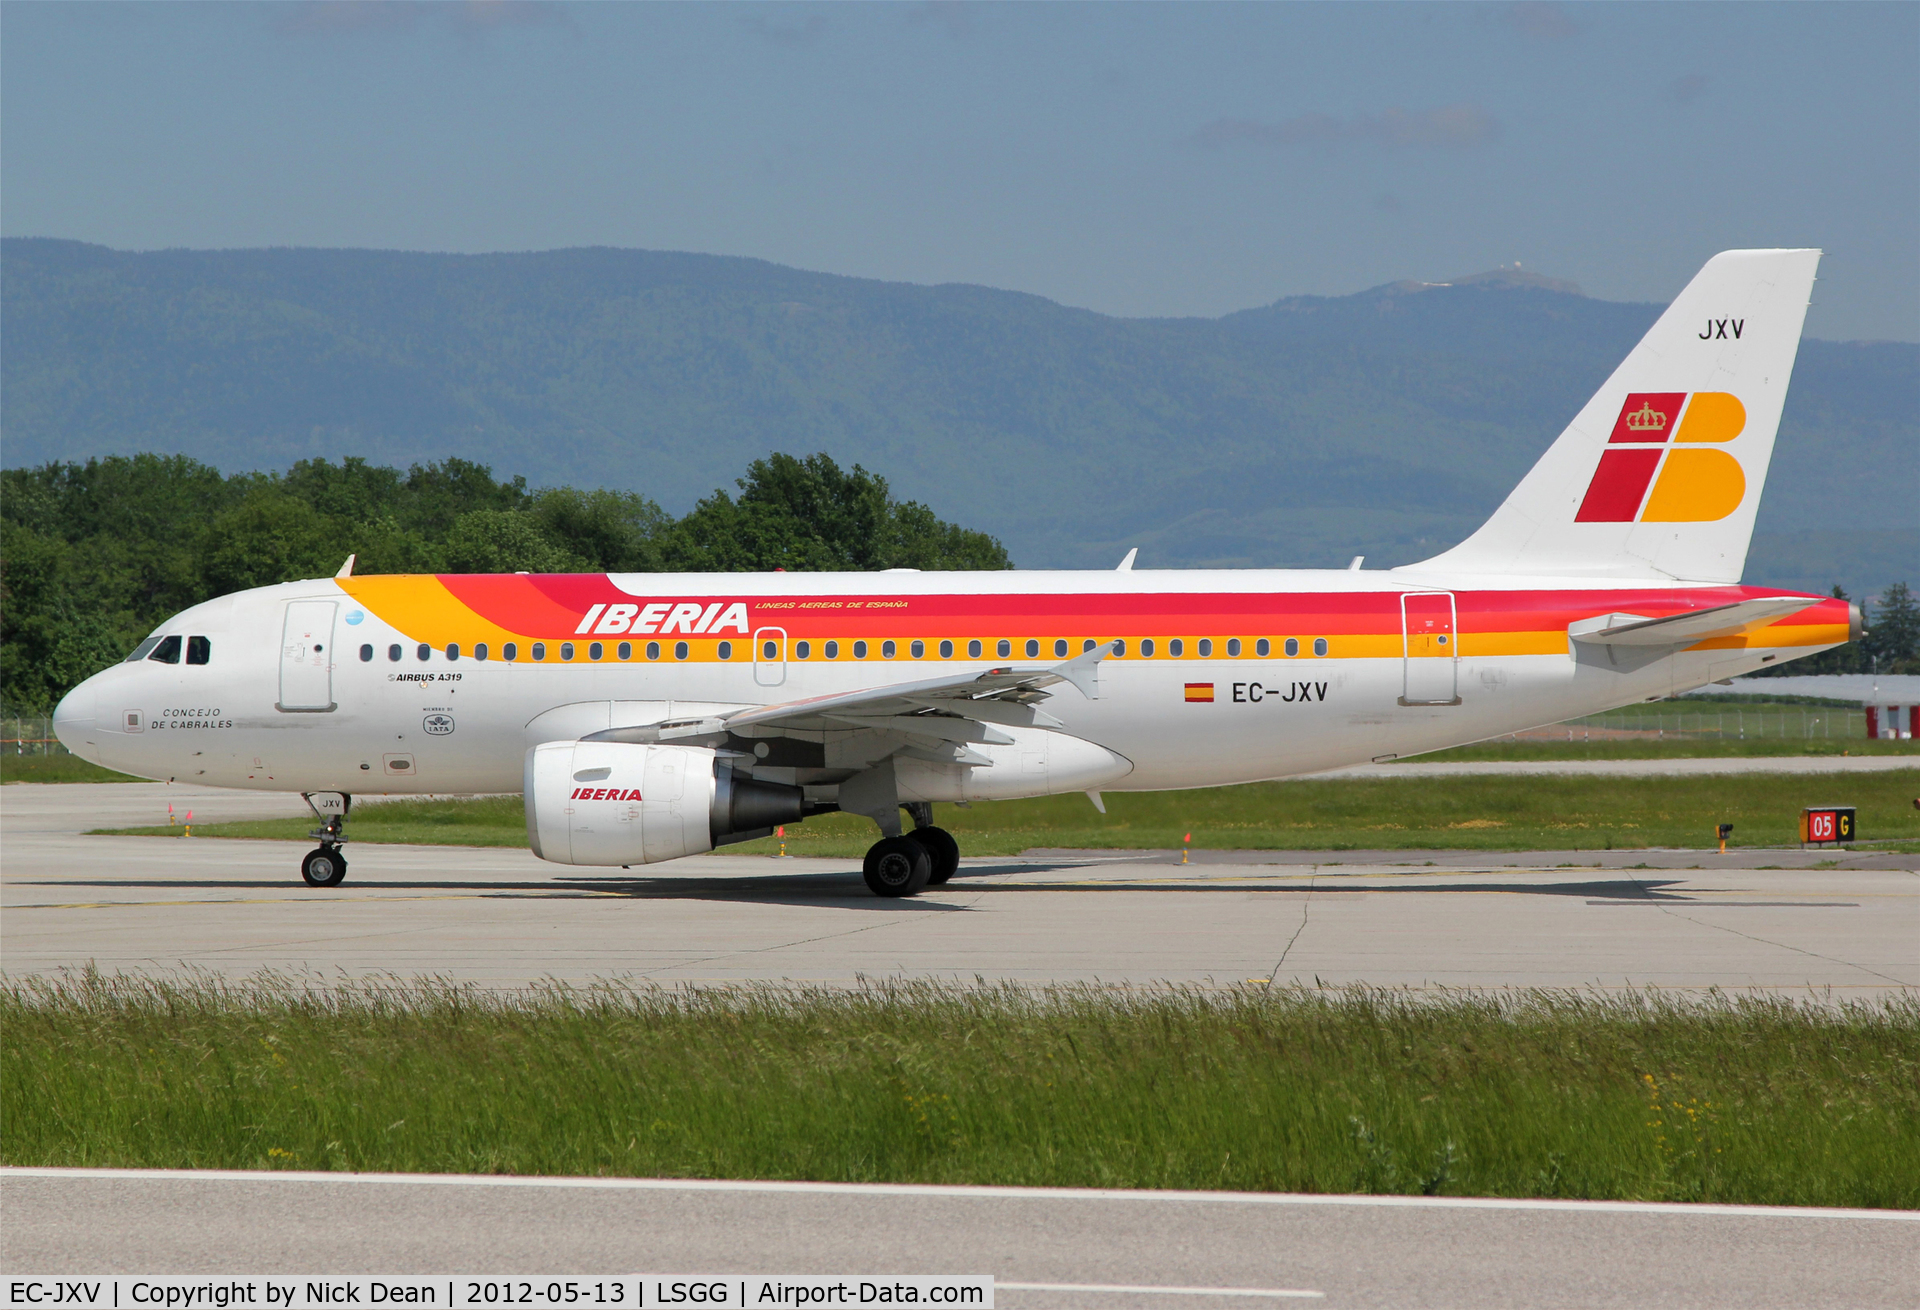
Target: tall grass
1535	1094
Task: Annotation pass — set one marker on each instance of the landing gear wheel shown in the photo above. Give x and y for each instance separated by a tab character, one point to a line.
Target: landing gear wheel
324	867
942	849
897	866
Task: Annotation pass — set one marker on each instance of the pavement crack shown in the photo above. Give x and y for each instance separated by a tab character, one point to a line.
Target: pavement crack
1666	907
1306	903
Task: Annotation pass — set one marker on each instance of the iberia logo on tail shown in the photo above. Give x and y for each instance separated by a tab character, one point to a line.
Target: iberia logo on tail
1666	433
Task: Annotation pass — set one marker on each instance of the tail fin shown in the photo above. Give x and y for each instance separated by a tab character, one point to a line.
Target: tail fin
1660	475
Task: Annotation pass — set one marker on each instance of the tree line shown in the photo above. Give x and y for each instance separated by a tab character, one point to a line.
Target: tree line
1891	643
94	555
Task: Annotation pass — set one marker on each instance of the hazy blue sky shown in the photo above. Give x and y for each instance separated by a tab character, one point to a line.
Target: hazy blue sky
1136	159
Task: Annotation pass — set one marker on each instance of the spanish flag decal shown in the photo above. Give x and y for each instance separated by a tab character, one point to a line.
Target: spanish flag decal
1200	691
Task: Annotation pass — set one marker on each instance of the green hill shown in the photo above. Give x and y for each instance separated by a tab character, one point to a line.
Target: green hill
1386	423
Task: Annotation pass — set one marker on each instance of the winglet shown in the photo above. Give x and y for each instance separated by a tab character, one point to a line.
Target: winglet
1126	565
346	570
1083	670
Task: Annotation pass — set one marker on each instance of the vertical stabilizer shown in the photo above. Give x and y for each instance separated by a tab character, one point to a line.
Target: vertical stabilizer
1660	475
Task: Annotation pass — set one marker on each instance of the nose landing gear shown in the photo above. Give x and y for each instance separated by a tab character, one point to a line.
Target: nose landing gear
326	866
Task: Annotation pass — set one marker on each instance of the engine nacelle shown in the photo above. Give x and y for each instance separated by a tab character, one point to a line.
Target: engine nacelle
603	802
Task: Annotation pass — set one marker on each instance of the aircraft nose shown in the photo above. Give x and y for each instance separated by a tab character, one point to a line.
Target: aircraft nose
74	718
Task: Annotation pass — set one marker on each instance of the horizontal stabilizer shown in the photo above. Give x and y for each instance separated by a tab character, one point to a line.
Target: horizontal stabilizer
1685	629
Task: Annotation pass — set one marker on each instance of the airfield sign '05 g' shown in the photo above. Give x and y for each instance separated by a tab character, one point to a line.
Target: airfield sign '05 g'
651	716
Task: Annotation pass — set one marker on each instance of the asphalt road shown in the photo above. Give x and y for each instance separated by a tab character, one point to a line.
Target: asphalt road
1353	1251
502	918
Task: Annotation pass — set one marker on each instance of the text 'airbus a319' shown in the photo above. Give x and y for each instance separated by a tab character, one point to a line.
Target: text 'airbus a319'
650	716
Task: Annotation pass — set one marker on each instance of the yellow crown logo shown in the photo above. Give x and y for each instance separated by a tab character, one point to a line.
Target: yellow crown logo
1646	419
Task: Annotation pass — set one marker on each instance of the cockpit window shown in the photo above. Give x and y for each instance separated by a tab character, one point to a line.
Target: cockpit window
199	650
141	651
168	651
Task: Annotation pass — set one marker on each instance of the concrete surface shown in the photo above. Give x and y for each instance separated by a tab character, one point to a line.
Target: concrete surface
502	918
1355	1251
1835	764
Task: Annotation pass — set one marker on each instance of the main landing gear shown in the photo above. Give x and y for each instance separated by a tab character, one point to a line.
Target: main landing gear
908	865
326	866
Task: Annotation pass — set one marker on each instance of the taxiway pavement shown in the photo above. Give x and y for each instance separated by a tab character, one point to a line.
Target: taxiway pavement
501	918
1047	1248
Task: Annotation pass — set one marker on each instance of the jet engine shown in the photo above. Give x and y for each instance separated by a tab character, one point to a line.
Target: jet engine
601	802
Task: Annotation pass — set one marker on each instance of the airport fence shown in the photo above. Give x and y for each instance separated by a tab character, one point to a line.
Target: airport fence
1669	721
28	734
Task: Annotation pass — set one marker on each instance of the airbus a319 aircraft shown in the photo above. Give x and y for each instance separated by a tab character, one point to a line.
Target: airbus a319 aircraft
650	716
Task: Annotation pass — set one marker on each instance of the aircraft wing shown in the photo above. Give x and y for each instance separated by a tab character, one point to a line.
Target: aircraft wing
1685	629
956	709
1005	694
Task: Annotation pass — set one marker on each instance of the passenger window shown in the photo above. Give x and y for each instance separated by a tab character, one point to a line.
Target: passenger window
725	650
1319	645
1005	648
453	650
859	650
1033	649
424	651
1206	645
1087	645
566	650
393	653
168	651
1120	647
802	649
510	652
832	650
626	650
946	650
1292	647
886	649
595	650
1176	648
769	650
480	650
679	650
200	650
1233	645
1146	646
973	650
141	651
366	654
653	650
918	649
539	650
1060	648
1263	647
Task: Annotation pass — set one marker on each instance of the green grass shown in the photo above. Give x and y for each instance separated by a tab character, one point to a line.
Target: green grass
59	767
1668	748
1469	813
1538	1094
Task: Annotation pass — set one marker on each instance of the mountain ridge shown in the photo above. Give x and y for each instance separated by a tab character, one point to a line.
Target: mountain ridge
1388	422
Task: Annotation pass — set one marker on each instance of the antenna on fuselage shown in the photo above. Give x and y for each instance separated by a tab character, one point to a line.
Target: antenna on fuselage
1358	560
1126	565
346	570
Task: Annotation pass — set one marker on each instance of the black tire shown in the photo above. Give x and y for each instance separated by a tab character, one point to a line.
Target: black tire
324	867
942	849
897	866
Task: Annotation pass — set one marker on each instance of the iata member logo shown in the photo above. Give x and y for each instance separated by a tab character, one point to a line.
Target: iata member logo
1664	433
